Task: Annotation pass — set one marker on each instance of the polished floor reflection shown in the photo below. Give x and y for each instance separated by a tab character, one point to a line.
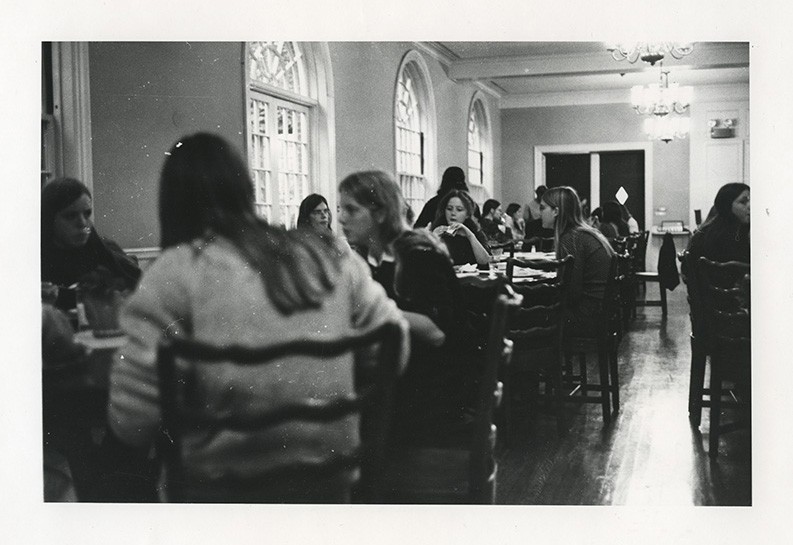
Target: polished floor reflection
650	455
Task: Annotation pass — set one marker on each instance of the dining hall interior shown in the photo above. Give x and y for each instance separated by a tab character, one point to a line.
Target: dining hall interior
623	416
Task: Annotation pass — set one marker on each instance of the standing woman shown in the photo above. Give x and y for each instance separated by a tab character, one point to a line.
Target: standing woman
315	213
70	245
455	226
560	209
227	277
453	178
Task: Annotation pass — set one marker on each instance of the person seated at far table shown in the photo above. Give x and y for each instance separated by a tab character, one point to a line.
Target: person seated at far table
560	209
315	213
71	248
492	223
513	219
455	226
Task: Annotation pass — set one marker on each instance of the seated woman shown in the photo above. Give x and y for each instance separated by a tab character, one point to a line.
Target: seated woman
612	225
418	272
513	219
723	236
493	225
315	213
226	276
372	217
560	209
70	246
456	228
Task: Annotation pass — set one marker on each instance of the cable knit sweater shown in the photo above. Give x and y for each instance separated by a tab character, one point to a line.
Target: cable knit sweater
211	294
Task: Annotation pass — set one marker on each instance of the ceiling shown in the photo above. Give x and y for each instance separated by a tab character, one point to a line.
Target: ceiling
525	69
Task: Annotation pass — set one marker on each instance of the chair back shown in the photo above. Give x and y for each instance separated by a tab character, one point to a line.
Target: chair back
537	323
497	355
372	404
725	303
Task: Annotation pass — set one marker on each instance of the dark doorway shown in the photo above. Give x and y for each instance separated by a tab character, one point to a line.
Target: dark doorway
573	169
623	169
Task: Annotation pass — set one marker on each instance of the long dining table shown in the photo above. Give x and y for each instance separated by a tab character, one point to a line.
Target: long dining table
497	268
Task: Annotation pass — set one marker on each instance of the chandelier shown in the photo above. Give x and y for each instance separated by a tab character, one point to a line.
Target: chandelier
661	98
666	128
650	52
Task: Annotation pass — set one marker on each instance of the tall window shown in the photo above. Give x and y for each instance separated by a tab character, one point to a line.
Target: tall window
478	152
413	112
279	127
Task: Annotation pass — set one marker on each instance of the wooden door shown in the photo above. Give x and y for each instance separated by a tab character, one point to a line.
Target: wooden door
571	169
624	169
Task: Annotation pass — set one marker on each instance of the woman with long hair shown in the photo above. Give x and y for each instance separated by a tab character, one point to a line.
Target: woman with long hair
724	236
492	223
513	219
225	276
612	224
314	212
560	209
415	268
455	225
71	248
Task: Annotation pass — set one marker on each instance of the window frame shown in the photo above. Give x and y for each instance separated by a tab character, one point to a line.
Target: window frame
477	112
416	67
281	211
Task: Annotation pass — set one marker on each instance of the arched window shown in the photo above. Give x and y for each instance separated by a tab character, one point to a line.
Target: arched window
279	128
479	152
414	115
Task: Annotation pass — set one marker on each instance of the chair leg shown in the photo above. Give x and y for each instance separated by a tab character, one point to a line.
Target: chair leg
582	373
559	396
603	367
663	300
615	378
696	382
715	408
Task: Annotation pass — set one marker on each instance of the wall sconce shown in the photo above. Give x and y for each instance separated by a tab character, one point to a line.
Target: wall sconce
722	128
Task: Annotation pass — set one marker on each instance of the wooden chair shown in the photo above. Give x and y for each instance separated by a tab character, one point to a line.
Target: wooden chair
465	473
642	277
604	343
536	330
728	334
372	404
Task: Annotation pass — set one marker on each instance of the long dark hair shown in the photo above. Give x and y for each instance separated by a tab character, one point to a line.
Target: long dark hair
55	196
205	191
307	206
453	178
722	231
66	266
612	213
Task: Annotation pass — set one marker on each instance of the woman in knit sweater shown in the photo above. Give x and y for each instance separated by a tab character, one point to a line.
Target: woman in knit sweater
227	277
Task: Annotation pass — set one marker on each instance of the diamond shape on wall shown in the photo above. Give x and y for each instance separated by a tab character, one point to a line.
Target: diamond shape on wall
621	195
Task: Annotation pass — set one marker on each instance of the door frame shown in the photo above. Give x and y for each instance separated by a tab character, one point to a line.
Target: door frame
646	147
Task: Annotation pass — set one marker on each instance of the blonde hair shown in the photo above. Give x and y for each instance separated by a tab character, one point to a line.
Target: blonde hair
565	199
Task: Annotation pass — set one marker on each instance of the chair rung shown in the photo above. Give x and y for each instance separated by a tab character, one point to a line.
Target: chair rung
648	303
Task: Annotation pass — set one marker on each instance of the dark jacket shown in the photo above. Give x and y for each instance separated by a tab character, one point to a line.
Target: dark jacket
667	264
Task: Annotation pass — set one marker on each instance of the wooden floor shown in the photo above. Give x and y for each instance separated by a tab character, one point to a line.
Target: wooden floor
649	455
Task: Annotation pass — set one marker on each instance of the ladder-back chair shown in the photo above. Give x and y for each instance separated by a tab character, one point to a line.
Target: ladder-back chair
464	473
729	343
182	417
